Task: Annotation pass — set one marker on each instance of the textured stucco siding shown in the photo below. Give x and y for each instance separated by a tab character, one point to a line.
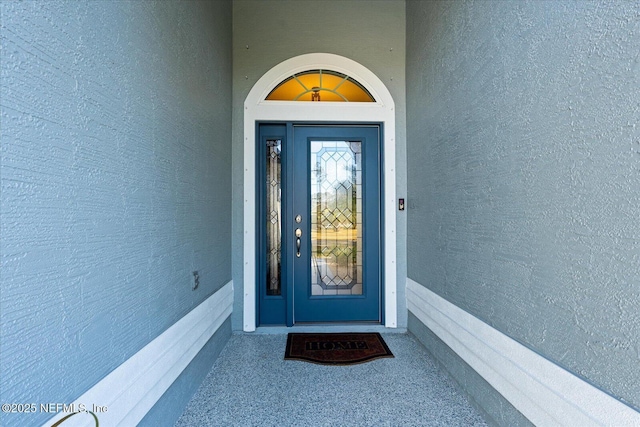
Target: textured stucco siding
115	174
268	32
524	174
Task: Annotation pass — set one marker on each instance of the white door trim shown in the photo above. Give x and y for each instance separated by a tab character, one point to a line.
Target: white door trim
382	111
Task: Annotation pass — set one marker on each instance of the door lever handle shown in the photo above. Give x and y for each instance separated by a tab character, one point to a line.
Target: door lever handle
298	242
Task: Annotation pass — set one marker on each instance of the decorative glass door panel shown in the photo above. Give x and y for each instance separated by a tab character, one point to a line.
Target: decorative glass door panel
274	215
336	217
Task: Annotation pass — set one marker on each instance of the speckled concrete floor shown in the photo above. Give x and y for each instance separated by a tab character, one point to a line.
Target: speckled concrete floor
252	385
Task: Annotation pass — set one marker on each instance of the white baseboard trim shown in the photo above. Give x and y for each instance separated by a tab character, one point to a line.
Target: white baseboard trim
131	390
542	391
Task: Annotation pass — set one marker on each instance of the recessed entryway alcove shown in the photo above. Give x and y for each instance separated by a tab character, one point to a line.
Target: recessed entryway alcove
378	108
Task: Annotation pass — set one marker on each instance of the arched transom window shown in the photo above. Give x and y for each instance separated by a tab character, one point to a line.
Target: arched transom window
320	85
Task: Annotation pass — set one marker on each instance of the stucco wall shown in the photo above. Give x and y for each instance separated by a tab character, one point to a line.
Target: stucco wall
524	178
266	33
116	154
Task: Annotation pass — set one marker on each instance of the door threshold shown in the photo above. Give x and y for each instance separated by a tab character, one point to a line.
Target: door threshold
328	328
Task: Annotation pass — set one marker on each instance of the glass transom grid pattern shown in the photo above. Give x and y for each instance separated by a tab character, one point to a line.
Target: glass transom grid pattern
320	85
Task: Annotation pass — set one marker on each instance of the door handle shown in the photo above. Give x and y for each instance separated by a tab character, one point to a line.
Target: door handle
298	242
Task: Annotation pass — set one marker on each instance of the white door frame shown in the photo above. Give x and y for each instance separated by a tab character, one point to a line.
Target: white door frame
382	111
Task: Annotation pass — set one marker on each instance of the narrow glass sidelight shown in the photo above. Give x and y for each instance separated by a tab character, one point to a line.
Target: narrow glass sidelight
336	218
274	216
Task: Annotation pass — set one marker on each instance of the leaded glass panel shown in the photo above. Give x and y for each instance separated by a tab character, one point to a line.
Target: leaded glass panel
336	218
274	216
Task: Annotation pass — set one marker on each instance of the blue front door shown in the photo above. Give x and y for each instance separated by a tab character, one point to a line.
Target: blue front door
322	237
336	211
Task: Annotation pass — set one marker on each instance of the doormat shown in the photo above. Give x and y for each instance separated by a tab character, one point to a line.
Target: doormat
336	349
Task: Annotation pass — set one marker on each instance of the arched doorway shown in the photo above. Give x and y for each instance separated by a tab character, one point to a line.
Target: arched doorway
257	109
